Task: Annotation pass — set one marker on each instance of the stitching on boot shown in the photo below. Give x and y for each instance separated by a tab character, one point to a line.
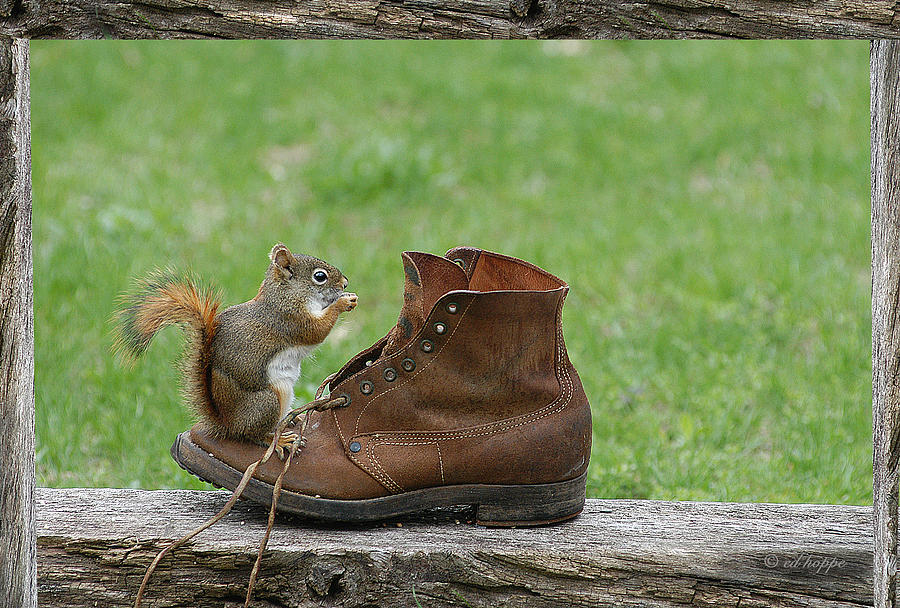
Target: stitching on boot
380	475
370	452
440	459
557	405
375	443
567	391
381	478
419	371
563	399
397	488
374	474
338	425
497	427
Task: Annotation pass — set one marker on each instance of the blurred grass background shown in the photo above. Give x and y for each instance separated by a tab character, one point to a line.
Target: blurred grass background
707	202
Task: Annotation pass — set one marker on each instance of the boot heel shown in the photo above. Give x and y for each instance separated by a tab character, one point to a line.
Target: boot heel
532	505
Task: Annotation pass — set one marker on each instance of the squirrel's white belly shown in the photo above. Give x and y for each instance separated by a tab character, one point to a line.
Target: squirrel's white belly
284	371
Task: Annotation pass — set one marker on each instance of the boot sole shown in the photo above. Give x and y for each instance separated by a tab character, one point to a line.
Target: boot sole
495	505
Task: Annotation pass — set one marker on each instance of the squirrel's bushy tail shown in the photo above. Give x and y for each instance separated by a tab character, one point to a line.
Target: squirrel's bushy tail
167	298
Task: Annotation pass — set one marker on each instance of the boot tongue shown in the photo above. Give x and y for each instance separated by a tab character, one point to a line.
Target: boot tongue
428	277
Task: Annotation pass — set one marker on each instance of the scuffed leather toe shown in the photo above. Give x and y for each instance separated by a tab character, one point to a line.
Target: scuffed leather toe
320	468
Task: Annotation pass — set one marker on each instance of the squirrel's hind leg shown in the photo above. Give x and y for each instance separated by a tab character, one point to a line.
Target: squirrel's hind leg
250	415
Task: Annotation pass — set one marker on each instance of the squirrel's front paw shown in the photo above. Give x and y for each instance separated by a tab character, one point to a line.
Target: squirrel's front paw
347	302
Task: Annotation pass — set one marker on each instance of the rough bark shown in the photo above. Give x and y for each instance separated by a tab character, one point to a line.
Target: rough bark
885	76
93	546
17	532
449	19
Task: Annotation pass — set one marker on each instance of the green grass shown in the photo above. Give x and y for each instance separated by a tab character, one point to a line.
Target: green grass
707	202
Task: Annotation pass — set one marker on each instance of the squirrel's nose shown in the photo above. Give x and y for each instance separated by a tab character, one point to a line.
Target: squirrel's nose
345	283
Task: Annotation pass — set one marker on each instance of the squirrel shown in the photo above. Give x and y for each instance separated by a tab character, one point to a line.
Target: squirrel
239	366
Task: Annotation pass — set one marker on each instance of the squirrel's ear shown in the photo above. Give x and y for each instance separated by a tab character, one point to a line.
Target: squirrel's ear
278	248
281	258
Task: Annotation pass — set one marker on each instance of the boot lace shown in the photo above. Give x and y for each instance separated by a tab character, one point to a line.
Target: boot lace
319	404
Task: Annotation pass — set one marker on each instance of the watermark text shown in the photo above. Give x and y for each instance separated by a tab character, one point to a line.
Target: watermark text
820	564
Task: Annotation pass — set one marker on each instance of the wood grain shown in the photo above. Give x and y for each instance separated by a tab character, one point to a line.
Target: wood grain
17	532
449	19
94	544
619	552
885	99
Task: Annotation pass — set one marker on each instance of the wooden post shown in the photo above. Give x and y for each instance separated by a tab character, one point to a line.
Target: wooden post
18	581
885	75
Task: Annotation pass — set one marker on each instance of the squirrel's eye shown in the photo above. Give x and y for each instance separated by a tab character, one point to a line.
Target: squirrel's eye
319	276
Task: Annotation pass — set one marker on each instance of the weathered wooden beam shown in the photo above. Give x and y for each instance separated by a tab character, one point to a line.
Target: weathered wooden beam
17	532
885	100
449	19
93	547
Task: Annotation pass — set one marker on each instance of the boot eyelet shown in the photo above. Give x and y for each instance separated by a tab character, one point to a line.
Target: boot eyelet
346	398
459	262
408	365
427	346
355	446
366	387
452	307
440	328
390	374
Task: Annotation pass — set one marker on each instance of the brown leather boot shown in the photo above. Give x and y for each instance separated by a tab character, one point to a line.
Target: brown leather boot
470	399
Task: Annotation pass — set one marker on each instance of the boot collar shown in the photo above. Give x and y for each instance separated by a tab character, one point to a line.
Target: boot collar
429	277
489	271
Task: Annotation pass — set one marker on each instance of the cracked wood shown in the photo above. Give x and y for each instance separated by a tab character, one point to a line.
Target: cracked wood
94	544
17	534
885	100
449	19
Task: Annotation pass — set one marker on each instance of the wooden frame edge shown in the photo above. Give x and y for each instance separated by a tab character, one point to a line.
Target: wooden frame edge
17	542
